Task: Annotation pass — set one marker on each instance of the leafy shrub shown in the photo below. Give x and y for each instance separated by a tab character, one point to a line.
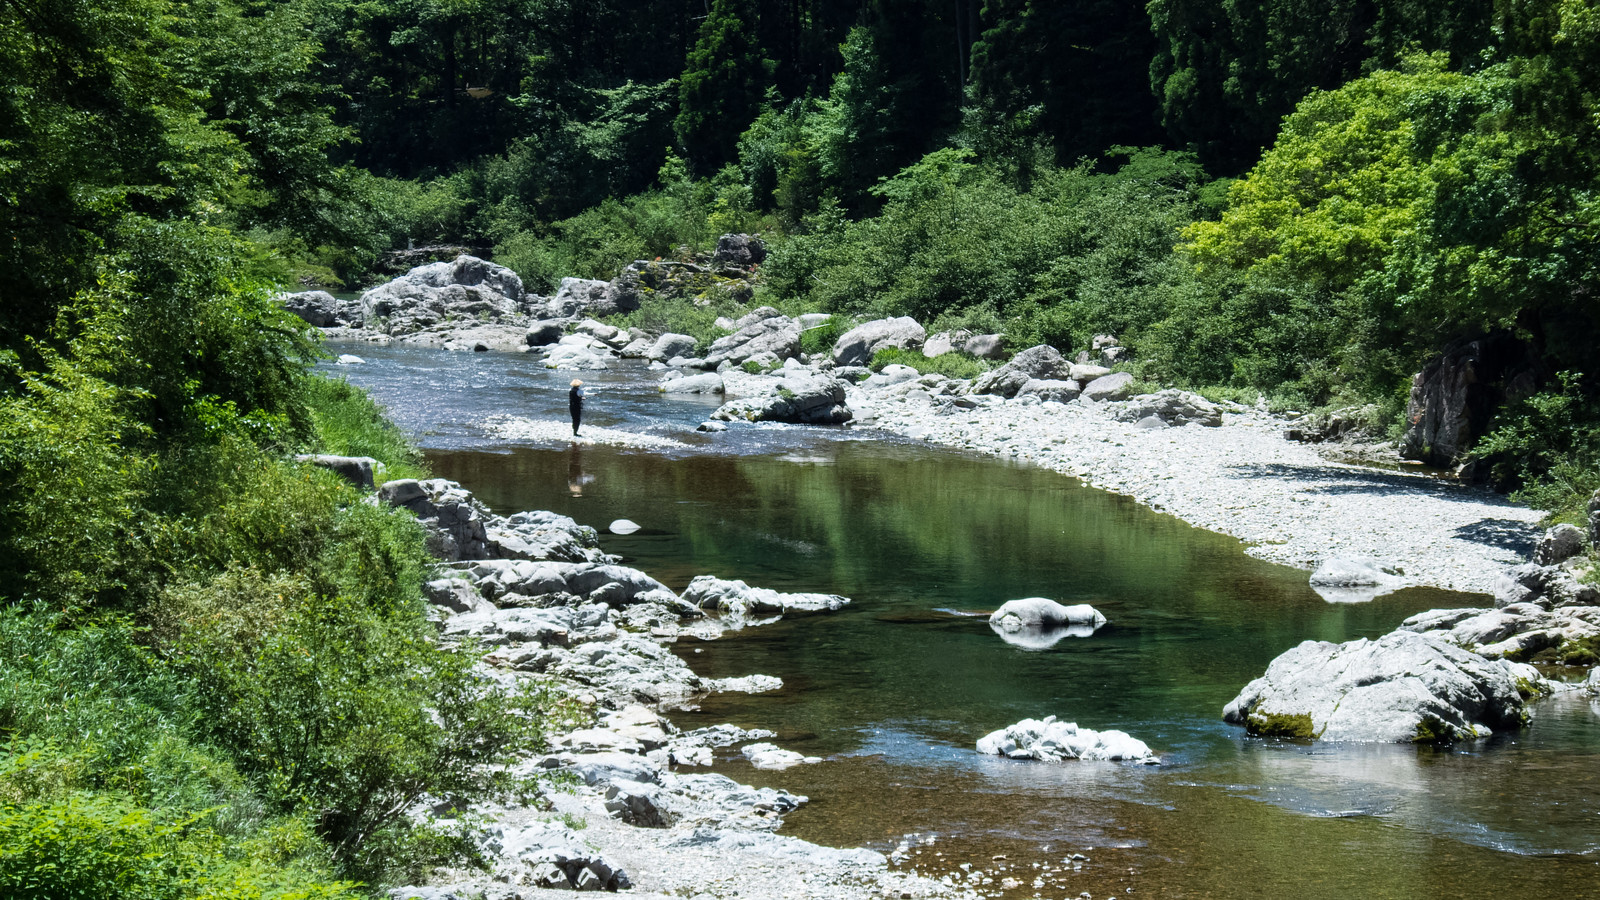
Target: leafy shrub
819	341
1547	448
338	709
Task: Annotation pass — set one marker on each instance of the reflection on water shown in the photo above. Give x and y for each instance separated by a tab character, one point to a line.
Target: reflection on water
896	688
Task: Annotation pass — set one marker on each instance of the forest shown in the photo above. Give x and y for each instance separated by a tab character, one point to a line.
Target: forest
1304	201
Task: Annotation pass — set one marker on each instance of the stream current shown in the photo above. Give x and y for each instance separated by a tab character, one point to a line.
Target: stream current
894	690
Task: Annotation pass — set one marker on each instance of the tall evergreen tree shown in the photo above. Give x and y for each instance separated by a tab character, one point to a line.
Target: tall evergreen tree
723	84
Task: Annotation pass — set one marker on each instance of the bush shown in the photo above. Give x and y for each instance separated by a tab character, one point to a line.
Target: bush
343	711
1547	448
819	341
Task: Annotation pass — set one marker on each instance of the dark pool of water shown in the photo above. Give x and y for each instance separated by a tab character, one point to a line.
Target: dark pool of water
894	690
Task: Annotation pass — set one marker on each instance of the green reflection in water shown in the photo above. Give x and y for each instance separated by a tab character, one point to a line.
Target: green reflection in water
896	687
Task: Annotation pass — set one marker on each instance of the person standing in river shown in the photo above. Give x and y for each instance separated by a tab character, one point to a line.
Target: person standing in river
575	402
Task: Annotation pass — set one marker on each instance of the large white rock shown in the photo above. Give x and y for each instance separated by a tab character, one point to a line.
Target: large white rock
1352	579
1402	687
1043	613
771	756
1050	740
857	346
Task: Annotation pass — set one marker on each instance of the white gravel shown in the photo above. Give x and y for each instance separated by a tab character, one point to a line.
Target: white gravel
1285	501
517	428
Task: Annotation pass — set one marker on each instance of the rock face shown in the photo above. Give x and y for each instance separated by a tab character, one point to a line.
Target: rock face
1453	397
582	297
739	251
1043	363
468	289
1174	408
857	346
1041	612
1050	740
1402	687
801	399
322	309
670	346
763	330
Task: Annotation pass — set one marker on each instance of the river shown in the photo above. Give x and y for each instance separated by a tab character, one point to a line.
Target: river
894	690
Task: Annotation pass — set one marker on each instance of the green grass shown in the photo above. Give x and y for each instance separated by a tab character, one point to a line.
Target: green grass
951	365
348	422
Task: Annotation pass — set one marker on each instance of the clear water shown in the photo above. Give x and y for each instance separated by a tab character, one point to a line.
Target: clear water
894	690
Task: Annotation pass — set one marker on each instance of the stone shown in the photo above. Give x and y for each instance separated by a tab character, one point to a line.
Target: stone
348	359
733	597
467	290
545	333
1594	519
1058	391
581	297
1050	740
943	342
1402	687
1173	407
455	594
358	470
1453	398
985	346
1351	579
739	250
1042	363
763	330
1086	373
1116	386
708	383
770	756
623	526
670	346
1041	612
857	346
890	376
637	803
796	398
1560	544
322	309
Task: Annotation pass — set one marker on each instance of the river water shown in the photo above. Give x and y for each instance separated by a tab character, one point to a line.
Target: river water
894	690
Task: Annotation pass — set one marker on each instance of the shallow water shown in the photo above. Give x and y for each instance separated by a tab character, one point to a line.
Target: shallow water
894	690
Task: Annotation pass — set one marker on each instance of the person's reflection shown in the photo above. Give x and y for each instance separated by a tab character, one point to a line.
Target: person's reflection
576	478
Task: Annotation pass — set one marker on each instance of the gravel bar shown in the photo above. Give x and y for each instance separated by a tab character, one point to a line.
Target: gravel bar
1285	501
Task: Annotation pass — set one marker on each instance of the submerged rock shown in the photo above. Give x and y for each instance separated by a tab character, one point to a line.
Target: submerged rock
1050	740
1402	687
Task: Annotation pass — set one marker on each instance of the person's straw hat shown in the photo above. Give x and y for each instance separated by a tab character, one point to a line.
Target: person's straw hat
576	382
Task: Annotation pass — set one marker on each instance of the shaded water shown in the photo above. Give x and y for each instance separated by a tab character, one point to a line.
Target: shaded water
895	689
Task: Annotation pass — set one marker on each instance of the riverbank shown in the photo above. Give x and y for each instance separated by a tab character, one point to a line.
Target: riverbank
1286	501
